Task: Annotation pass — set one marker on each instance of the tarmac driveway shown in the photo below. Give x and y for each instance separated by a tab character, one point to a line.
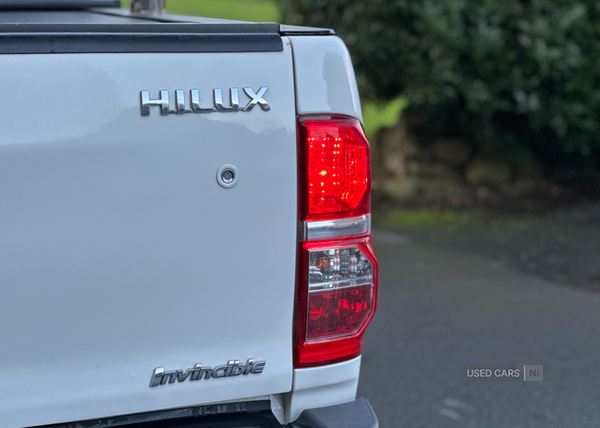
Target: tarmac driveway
441	310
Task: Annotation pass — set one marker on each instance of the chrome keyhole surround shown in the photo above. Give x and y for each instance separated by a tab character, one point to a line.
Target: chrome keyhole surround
227	176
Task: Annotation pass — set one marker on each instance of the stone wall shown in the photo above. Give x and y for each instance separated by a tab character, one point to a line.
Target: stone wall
444	169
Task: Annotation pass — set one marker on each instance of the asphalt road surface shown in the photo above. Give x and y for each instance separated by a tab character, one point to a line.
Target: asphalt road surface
440	311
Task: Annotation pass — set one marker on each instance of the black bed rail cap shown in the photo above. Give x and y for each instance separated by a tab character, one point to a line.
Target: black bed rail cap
143	27
146	37
283	30
56	4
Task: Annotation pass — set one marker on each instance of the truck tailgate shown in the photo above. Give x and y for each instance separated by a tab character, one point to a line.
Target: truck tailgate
120	252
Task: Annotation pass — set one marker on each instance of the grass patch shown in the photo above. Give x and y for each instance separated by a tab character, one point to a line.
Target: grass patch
474	219
242	10
426	219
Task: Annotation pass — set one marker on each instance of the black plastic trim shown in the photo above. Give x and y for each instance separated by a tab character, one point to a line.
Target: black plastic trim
294	30
233	412
56	4
254	414
355	414
138	38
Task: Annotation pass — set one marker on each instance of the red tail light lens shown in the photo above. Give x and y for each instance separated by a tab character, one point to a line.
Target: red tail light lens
333	313
337	269
336	172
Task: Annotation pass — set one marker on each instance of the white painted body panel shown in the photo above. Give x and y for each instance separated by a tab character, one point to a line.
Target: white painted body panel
119	252
325	80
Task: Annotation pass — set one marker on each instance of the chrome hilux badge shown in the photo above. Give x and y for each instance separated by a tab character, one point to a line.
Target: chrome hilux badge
232	368
194	106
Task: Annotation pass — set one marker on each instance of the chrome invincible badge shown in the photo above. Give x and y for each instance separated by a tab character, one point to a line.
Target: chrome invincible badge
195	106
231	369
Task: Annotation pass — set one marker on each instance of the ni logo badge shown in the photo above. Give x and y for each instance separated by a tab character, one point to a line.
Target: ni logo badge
194	104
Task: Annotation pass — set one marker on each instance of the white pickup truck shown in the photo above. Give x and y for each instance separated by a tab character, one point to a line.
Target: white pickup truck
184	221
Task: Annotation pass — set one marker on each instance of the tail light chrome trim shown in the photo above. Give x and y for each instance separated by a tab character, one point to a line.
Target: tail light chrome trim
330	229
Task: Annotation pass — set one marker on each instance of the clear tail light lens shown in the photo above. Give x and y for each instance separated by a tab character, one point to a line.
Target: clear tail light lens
340	291
339	300
335	268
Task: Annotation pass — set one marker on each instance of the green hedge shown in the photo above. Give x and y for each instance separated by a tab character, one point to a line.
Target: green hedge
506	74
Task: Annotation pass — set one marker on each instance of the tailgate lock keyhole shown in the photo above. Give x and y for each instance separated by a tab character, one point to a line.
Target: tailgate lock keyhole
227	176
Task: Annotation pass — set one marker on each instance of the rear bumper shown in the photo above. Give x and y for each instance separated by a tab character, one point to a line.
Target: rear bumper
355	414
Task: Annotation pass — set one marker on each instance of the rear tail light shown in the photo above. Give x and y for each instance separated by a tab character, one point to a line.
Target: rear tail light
337	269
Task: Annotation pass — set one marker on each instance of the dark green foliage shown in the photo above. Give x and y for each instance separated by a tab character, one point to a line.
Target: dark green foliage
516	74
